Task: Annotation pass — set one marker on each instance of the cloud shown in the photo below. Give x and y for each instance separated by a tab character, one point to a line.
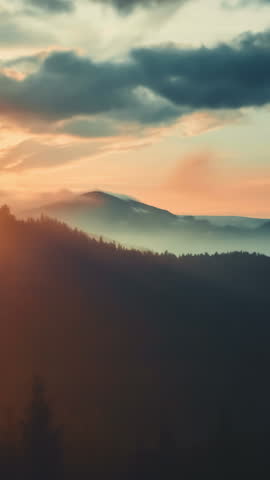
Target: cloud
49	198
206	182
22	151
87	128
28	59
127	6
152	86
204	121
22	200
196	174
35	153
263	2
52	6
124	7
14	33
67	85
243	3
225	76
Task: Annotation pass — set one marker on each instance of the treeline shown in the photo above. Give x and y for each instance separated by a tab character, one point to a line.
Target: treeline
37	452
152	366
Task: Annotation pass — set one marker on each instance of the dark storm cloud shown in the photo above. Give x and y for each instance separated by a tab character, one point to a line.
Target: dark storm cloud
66	85
53	6
127	6
226	76
153	85
122	6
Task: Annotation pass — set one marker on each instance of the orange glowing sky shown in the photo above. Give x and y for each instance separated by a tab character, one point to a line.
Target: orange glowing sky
192	160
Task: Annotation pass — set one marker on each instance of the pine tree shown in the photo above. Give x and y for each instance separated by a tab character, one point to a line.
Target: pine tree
41	441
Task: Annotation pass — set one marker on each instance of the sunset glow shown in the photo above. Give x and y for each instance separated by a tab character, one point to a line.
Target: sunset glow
141	145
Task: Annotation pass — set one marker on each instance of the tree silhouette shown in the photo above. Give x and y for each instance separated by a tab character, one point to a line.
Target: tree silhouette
9	452
6	215
41	441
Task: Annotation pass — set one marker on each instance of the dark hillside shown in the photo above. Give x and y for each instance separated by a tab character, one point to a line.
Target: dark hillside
150	362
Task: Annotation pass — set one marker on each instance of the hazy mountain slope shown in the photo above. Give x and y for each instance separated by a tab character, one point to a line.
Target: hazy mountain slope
136	224
132	345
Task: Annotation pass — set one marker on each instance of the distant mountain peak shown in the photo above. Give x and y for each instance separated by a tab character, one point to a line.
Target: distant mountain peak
108	195
134	223
96	193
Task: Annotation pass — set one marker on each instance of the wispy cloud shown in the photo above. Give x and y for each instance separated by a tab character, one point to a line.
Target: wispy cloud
206	182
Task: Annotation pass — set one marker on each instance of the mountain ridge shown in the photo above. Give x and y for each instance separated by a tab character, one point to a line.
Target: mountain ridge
137	224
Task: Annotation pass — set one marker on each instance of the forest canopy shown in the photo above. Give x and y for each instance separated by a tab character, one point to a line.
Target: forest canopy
149	362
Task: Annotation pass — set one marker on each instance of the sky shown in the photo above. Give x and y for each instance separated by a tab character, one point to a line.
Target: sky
167	101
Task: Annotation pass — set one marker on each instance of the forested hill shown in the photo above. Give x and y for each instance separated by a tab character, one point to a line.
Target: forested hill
135	347
133	223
